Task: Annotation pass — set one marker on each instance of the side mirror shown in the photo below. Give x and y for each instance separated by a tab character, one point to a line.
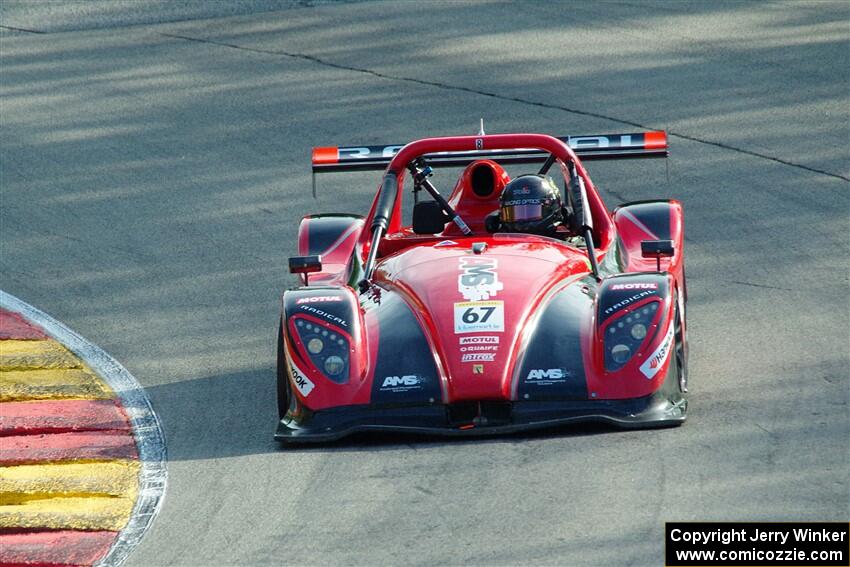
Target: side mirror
305	265
429	218
657	249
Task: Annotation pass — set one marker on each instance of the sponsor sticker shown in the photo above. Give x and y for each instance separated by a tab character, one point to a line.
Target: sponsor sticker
302	383
656	360
318	299
636	285
628	301
482	340
325	315
478	357
478	369
479	348
402	383
547	376
478	279
477	316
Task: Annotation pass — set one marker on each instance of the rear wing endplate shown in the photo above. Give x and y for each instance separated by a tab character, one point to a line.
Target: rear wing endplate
607	146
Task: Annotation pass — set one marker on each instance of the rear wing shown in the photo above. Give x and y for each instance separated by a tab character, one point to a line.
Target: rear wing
607	146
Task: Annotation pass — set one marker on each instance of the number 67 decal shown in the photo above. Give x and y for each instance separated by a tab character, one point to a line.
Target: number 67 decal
477	316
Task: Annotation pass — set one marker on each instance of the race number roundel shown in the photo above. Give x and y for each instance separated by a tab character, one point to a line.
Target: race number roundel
478	316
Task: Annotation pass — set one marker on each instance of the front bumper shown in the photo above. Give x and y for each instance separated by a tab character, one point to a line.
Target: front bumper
482	418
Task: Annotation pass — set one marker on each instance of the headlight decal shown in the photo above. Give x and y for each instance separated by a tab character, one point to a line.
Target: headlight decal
325	346
624	335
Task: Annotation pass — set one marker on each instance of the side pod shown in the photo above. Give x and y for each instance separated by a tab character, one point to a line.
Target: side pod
333	237
650	220
633	334
323	354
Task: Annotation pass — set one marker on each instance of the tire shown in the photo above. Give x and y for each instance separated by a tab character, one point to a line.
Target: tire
284	389
681	353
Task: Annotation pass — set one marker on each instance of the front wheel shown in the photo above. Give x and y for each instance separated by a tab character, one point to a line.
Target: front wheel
681	351
284	390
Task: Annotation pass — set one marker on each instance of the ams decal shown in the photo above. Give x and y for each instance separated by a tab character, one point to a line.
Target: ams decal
478	279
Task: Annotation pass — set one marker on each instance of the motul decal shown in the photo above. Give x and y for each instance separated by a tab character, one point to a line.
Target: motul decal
483	340
479	357
656	360
477	316
478	279
304	385
402	383
318	299
638	285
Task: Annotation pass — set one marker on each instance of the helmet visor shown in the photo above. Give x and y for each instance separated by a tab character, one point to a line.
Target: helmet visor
522	213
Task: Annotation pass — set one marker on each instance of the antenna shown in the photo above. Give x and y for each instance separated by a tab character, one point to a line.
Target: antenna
481	129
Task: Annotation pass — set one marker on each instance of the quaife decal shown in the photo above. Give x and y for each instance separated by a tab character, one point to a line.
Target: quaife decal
478	279
628	301
656	360
318	299
477	316
637	285
479	348
478	357
304	385
547	376
402	383
325	315
483	340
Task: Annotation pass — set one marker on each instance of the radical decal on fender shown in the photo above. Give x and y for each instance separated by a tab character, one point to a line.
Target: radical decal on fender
478	279
325	315
304	385
478	316
627	301
656	360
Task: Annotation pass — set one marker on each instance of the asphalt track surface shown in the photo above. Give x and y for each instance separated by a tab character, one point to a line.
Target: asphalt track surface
152	182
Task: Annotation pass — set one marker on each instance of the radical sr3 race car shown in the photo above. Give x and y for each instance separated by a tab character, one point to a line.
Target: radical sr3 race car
444	325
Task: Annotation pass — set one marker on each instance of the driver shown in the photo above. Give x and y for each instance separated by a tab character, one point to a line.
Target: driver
532	204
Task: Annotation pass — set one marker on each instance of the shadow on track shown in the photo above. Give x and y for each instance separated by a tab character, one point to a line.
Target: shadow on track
228	415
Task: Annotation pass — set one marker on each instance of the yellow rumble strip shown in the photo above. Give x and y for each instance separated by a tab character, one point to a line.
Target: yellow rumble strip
21	385
71	513
25	482
25	355
82	496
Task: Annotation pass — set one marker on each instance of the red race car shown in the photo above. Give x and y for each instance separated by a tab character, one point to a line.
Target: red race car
511	304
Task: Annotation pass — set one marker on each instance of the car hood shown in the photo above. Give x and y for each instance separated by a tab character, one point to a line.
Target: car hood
477	309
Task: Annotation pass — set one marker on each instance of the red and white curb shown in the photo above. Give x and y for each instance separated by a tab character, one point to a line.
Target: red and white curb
146	430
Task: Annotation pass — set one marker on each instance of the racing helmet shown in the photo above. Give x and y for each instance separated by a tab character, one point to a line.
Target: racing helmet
530	203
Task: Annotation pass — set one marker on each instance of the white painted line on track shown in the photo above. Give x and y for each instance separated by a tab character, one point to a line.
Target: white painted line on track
150	440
